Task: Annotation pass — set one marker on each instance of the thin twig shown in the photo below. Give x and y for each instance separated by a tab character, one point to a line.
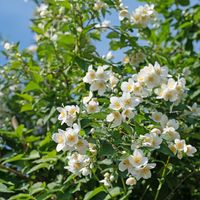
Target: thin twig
18	173
162	179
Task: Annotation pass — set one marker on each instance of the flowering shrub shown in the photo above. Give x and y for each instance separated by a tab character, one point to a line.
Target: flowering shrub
125	125
119	118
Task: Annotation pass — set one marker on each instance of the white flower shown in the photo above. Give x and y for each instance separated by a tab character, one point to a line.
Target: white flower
71	135
170	134
164	120
131	181
145	171
143	15
139	90
178	147
59	138
113	81
151	140
72	110
108	56
190	150
115	103
126	164
129	102
63	114
179	144
68	114
108	178
157	116
85	171
172	148
156	131
42	9
7	46
90	75
123	14
87	99
195	110
98	5
138	159
77	163
161	71
173	123
98	85
93	106
172	91
101	74
115	117
105	24
82	146
127	86
149	76
128	113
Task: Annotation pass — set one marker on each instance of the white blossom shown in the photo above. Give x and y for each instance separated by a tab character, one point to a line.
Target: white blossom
123	14
115	117
131	181
144	171
143	15
77	164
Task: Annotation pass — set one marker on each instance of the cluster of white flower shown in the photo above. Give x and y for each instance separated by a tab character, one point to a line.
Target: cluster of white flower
99	5
172	90
108	179
126	103
168	133
68	114
42	10
70	140
98	80
150	80
79	164
195	110
141	16
137	165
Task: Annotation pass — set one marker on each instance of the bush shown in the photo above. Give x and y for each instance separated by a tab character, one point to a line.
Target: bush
125	128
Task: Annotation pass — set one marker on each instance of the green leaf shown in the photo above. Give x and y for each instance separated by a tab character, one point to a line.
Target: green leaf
32	86
22	196
127	128
94	192
106	148
26	107
37	187
39	166
14	158
100	115
33	155
53	109
116	191
67	39
26	97
19	130
5	189
113	34
165	150
184	2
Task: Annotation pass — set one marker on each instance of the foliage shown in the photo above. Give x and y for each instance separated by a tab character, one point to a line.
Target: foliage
43	77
